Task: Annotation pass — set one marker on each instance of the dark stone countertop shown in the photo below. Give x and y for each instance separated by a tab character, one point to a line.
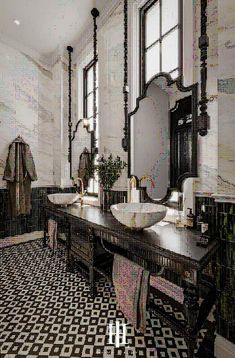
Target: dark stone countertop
164	237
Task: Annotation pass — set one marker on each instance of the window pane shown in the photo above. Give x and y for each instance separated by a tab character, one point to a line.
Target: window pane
97	74
170	17
175	74
152	25
90	80
91	123
97	127
97	100
170	51
90	105
152	62
93	182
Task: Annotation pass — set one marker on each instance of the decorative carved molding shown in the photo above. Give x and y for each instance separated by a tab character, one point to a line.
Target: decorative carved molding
95	13
86	37
203	119
125	86
70	50
180	86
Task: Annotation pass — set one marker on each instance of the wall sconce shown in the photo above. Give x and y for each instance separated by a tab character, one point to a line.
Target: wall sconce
88	124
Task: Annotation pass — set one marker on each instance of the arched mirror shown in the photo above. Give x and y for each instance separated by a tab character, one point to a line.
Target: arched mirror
162	136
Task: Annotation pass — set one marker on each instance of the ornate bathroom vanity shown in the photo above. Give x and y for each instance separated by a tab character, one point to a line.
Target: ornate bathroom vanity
93	236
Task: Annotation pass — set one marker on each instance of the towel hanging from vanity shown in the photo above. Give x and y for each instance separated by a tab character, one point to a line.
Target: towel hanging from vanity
19	172
52	234
131	284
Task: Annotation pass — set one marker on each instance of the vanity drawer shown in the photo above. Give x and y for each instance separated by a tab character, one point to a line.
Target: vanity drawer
80	247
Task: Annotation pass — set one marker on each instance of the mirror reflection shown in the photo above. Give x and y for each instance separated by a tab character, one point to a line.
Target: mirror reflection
163	138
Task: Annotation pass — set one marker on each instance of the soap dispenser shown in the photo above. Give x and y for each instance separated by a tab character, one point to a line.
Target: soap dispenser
190	219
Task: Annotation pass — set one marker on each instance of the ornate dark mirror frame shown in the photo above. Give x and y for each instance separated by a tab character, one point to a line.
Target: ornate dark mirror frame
193	91
200	122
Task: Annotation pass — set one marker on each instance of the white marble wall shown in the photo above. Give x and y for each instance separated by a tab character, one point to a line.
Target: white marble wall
226	97
208	145
217	149
26	109
110	40
58	121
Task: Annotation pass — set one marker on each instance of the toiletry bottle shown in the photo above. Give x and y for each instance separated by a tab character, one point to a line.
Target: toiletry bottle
190	219
199	221
204	224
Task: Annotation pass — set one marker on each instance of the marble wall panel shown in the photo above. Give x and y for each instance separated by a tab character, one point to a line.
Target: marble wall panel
110	39
226	97
208	145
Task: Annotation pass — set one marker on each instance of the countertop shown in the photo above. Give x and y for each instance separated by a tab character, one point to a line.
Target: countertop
164	236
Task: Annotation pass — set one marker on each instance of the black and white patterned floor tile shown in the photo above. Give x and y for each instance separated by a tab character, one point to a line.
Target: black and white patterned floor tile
47	312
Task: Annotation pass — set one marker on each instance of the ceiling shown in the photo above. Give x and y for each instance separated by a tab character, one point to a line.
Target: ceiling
46	25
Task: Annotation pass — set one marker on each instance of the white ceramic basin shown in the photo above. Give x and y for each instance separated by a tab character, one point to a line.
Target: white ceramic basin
138	216
63	198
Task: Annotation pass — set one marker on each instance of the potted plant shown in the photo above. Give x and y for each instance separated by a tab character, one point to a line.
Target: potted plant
109	170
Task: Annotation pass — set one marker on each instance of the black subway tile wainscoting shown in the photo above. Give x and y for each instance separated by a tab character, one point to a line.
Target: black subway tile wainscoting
221	218
26	223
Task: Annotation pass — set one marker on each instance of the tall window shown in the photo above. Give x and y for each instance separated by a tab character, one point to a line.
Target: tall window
88	109
160	38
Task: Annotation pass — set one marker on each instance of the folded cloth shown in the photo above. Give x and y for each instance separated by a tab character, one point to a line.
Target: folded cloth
131	283
168	288
52	234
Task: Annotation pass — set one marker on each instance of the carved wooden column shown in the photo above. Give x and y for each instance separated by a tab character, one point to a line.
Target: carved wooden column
125	87
95	13
203	45
70	50
91	264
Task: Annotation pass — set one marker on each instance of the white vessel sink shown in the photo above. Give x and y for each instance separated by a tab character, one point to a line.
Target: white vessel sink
138	216
63	198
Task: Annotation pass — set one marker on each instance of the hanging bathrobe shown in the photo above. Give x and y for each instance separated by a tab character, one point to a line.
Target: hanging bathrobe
84	169
19	172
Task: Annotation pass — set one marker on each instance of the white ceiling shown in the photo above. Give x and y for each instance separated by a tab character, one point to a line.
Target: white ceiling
46	25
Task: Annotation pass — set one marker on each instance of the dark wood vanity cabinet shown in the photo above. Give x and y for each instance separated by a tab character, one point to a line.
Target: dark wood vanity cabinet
83	245
79	243
94	236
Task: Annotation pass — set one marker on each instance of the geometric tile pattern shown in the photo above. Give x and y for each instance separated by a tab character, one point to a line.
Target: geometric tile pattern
48	312
20	239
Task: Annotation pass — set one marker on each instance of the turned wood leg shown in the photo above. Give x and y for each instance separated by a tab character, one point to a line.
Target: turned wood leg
70	263
191	308
70	266
92	281
91	266
45	231
191	347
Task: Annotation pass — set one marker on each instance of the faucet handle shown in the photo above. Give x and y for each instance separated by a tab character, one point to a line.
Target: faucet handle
84	193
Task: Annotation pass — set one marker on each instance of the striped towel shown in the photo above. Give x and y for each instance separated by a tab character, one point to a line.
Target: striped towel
131	283
168	288
52	234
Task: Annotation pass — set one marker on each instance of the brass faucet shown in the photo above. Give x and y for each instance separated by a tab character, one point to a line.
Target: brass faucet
149	178
133	181
132	185
76	180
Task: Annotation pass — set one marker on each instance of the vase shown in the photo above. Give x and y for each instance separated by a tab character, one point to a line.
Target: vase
106	199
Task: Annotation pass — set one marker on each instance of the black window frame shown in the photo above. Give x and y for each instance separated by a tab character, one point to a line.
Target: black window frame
86	69
142	37
94	149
